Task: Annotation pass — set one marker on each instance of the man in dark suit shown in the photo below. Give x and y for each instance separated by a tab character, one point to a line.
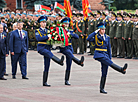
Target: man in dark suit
19	49
3	51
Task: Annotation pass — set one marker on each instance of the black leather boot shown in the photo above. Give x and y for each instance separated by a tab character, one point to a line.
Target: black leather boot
67	74
45	76
79	62
57	60
102	84
118	68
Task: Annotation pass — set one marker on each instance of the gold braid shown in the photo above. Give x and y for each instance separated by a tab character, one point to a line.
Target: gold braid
97	41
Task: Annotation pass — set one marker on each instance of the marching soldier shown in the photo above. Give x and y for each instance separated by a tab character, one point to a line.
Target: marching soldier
44	49
103	54
68	52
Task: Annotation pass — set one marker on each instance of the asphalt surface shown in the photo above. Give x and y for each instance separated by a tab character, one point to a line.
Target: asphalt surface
84	82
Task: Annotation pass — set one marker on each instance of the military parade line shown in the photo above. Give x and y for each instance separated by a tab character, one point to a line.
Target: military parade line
106	34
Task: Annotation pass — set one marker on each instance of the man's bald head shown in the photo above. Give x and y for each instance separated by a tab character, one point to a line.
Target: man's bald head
1	28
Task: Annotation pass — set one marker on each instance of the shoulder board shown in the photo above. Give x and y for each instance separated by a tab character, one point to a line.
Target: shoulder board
81	20
88	20
94	20
100	18
122	20
37	29
106	20
131	21
116	21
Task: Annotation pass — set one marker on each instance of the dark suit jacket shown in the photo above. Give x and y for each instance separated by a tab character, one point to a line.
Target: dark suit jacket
4	45
18	45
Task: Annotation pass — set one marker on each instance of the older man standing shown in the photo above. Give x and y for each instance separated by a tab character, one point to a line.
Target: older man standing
3	51
19	49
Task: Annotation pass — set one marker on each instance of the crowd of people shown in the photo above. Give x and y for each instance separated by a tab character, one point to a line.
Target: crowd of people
120	27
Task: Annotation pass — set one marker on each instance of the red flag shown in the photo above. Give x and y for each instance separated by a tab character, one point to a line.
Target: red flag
68	10
85	5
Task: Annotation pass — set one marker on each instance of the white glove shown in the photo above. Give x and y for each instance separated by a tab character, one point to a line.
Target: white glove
97	31
49	35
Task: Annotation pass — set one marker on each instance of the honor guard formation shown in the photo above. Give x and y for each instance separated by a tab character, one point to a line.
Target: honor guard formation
106	34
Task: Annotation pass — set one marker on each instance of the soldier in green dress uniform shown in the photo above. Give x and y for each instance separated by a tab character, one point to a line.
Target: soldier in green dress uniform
91	29
128	37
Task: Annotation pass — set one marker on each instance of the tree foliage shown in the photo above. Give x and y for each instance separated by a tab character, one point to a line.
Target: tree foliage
2	4
126	4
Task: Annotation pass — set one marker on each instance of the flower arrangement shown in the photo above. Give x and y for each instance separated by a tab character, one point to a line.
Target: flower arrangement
59	35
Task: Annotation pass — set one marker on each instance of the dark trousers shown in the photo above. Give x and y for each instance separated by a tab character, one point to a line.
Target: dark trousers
121	47
47	56
105	62
114	46
68	52
74	44
135	43
81	45
22	57
129	47
2	66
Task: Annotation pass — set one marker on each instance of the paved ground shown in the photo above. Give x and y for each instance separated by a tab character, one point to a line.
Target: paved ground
84	83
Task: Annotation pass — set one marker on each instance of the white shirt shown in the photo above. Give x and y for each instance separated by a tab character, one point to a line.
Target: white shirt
113	21
128	21
103	36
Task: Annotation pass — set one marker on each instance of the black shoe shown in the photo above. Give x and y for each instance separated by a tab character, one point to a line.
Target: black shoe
102	91
24	77
80	53
89	52
114	56
120	57
3	78
45	77
45	84
13	77
128	58
5	74
67	75
136	58
102	85
67	83
119	69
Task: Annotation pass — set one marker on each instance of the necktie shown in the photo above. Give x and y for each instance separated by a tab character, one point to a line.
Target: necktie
0	36
21	35
103	37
